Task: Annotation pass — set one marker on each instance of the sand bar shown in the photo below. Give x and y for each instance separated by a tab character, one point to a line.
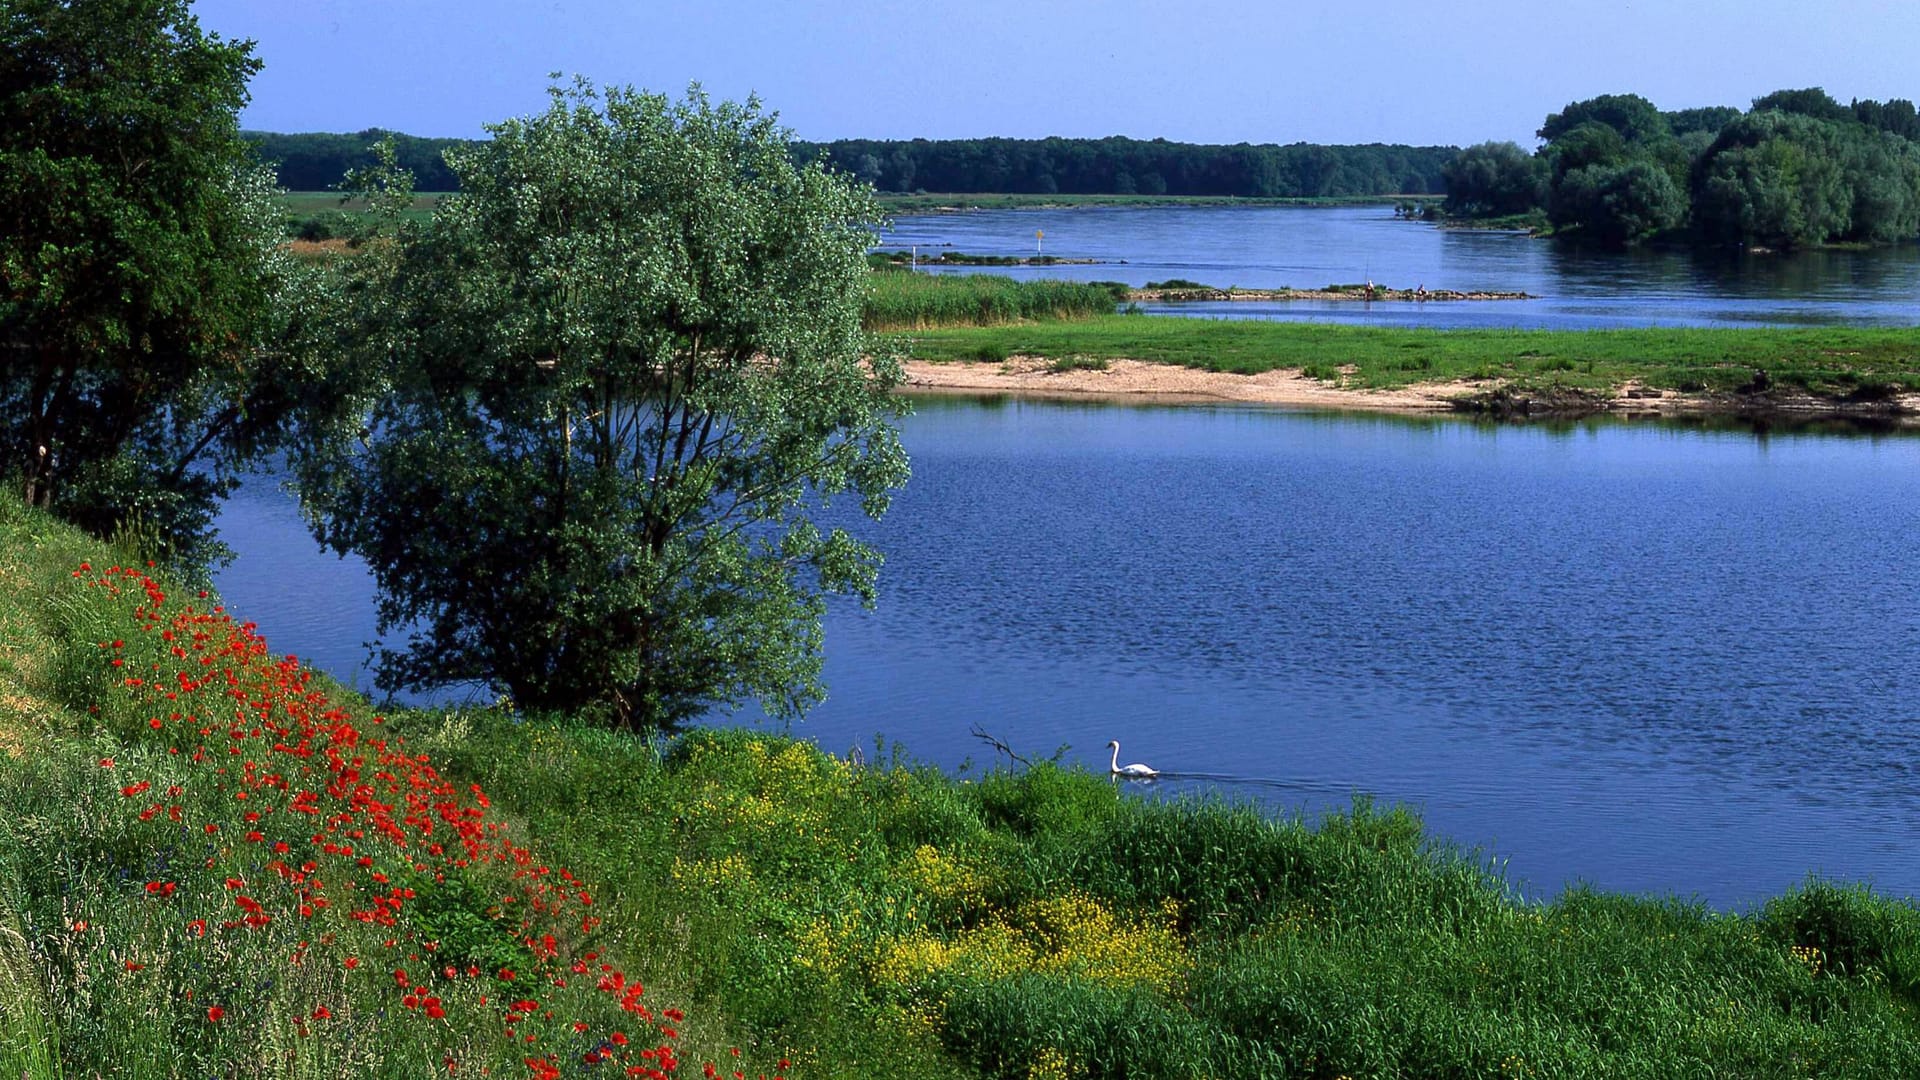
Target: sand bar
1142	381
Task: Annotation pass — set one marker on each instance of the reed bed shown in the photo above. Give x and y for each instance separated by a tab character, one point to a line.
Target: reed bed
911	301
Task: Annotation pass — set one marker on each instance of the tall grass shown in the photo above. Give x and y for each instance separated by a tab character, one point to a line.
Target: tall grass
901	301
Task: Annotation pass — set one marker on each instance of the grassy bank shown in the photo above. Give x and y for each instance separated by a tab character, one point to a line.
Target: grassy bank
215	864
1862	365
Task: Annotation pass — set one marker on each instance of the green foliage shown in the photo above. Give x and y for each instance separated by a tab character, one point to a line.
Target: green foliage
1117	167
1771	179
149	319
606	386
1014	1028
1708	119
1800	170
1618	205
317	162
1494	179
1631	116
1811	102
1896	116
1133	167
467	926
1850	932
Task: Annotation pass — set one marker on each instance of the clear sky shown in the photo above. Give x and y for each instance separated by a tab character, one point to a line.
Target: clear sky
1436	71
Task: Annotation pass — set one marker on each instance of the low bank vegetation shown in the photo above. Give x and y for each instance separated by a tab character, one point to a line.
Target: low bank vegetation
904	301
1849	365
216	863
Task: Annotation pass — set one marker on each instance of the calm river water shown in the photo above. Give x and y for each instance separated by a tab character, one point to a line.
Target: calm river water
1307	247
1654	658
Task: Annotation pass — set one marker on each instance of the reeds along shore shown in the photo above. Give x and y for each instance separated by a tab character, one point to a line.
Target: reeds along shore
744	901
898	300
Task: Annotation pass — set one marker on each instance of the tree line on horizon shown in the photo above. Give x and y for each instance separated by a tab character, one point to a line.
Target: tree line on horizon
1797	169
1051	166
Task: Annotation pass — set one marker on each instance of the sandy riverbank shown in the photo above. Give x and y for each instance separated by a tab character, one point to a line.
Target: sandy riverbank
1136	380
1140	381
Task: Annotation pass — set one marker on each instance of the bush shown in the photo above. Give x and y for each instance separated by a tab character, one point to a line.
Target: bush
1852	930
1039	1025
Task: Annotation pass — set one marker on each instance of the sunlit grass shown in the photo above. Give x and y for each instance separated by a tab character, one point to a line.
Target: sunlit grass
1863	364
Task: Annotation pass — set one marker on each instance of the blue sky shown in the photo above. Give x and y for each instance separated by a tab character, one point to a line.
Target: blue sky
1451	71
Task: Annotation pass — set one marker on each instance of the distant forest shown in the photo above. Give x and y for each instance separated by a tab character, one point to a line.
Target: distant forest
1797	169
1119	166
318	161
1111	166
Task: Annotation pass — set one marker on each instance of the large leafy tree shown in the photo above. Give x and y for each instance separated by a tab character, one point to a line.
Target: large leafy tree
619	374
1493	179
141	291
1633	117
1775	179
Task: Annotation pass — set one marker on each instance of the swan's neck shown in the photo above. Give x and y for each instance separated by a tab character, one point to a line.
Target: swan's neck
1115	767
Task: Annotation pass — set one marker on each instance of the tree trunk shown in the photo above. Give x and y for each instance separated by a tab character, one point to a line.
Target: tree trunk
42	407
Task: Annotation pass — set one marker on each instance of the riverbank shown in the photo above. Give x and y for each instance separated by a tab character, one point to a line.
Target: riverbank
925	202
1364	293
216	863
1865	372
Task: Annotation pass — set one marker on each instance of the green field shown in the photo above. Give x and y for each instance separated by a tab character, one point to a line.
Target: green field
322	215
1854	365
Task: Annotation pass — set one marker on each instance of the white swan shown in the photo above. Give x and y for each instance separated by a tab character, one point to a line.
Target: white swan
1134	771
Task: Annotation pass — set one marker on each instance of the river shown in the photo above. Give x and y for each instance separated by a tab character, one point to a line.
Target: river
1652	657
1309	247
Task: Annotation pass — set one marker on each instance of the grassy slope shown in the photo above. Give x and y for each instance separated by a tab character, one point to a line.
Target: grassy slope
876	921
1863	363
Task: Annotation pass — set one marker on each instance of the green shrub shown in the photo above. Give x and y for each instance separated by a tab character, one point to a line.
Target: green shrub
1853	930
1034	1025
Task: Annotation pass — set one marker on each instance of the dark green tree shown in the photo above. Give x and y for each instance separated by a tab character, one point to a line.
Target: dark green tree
1896	116
145	310
1619	205
1774	179
626	369
1632	117
1710	119
1812	101
1495	179
1584	145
